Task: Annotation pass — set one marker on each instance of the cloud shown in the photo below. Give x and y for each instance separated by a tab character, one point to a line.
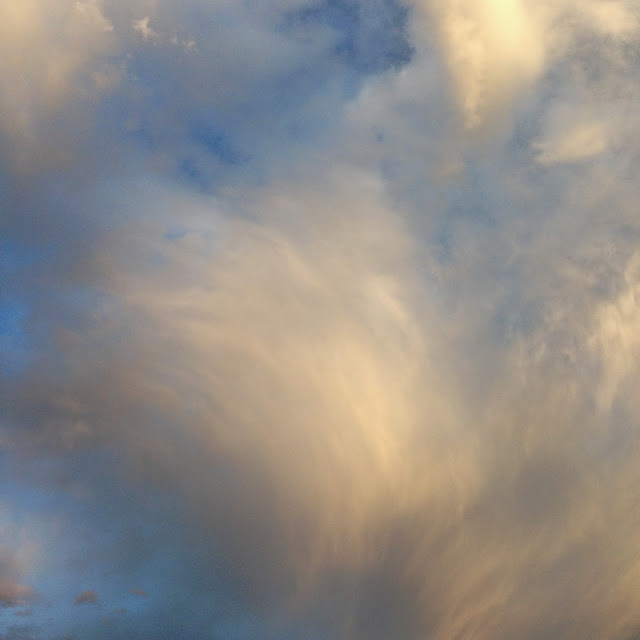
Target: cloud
497	50
494	48
143	28
12	593
617	18
21	632
297	393
87	597
304	347
578	144
54	63
616	336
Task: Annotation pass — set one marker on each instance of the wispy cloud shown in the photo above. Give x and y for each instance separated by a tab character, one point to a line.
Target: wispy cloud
325	325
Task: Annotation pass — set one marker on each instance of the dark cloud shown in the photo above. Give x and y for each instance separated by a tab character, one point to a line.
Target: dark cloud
21	632
24	613
87	597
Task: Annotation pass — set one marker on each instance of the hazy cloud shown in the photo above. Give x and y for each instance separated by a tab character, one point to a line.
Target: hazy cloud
143	28
87	597
12	593
321	318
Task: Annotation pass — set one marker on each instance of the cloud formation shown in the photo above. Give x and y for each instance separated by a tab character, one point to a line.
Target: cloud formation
12	593
320	319
87	597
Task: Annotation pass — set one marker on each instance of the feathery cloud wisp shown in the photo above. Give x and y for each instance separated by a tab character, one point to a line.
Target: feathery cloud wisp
324	326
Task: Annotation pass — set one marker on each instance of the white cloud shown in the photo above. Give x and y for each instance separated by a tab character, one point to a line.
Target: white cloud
616	337
618	18
494	48
370	386
53	58
577	144
142	27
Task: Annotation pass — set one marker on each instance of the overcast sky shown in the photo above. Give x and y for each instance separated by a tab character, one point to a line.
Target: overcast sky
319	320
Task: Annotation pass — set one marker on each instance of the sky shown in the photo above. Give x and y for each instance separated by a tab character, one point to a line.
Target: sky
319	320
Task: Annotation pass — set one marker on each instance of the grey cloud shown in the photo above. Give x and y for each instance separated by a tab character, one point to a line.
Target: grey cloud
13	594
21	632
87	597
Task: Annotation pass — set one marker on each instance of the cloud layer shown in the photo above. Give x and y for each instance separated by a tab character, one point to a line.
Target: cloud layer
319	319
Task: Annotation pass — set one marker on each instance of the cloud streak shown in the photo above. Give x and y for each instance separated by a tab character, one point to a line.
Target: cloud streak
342	341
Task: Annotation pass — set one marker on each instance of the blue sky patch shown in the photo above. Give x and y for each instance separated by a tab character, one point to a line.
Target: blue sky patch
372	37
